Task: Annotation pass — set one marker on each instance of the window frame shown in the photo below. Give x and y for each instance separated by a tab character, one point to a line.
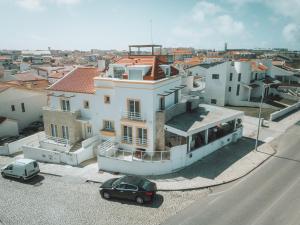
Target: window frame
23	107
214	75
106	99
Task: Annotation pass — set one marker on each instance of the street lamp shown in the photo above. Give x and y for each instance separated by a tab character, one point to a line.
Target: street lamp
259	115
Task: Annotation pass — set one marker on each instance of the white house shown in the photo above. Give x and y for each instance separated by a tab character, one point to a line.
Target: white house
238	82
21	104
127	116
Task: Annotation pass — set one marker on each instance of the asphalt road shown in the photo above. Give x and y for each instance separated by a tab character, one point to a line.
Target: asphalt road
50	200
269	196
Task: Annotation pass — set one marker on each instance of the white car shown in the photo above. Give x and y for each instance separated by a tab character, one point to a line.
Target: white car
23	169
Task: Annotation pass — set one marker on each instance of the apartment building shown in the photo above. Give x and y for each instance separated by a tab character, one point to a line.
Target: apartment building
69	113
237	82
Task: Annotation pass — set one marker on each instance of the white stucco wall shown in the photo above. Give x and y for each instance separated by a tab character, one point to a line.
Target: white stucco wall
178	159
33	100
9	128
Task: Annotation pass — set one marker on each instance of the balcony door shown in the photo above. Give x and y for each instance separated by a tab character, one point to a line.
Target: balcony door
65	132
127	134
142	136
134	111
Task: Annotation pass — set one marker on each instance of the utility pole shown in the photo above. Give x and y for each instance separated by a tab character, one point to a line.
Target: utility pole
259	115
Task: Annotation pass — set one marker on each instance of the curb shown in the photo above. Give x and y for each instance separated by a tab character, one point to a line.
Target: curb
51	174
213	185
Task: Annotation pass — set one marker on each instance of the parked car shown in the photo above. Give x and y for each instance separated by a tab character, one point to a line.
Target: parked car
133	188
23	169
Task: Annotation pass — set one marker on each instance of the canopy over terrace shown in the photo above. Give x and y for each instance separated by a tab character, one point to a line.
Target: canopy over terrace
201	126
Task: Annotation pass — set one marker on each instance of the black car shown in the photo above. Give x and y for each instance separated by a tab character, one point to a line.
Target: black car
129	187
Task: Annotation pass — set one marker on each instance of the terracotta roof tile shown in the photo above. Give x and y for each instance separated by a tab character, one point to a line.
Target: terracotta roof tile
80	80
155	72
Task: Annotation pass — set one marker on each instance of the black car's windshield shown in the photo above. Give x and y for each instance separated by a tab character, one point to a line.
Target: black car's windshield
117	182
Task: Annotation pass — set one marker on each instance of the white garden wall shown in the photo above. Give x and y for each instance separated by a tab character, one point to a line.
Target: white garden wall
284	111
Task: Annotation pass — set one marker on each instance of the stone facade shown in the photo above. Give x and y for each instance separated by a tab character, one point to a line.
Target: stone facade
63	118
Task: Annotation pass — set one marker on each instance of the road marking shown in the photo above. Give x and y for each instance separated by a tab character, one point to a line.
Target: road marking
275	202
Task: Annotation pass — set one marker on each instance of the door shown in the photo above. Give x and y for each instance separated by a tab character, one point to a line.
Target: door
127	134
120	191
134	109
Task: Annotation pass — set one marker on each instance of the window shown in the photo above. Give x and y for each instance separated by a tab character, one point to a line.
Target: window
65	132
239	77
213	101
23	107
127	134
167	71
53	130
106	99
86	104
130	187
230	77
35	165
229	89
238	90
134	106
108	125
89	129
176	97
65	105
215	76
142	136
162	103
13	108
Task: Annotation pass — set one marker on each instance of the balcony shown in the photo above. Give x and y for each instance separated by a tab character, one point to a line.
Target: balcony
48	110
136	116
106	132
137	141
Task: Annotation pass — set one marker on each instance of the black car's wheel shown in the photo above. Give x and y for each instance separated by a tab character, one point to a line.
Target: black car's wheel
106	195
3	174
139	200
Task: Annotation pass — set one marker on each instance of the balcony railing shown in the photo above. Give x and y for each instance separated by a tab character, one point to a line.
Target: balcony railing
137	155
137	141
58	140
141	141
133	116
127	140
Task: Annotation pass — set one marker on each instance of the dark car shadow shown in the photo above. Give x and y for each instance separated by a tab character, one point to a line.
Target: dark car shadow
35	181
156	203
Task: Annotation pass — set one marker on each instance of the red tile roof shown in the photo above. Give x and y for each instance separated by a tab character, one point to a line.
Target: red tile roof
258	67
80	80
155	72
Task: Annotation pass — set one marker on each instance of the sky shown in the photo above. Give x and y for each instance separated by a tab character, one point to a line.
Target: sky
114	24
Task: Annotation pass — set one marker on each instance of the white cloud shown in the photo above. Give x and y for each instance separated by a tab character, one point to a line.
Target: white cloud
203	9
291	32
33	5
207	24
37	5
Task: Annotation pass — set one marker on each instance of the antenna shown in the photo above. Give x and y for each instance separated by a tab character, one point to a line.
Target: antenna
151	38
